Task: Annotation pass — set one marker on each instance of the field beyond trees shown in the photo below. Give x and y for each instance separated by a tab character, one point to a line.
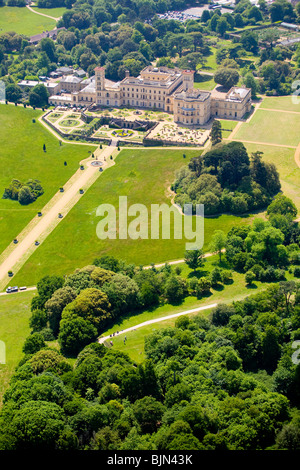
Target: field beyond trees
23	21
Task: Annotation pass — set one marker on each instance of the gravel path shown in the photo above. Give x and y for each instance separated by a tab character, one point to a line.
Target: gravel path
42	14
157	320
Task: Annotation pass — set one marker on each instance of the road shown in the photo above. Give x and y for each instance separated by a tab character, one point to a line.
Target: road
19	292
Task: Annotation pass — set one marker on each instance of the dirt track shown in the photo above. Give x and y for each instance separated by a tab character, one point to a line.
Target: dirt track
48	221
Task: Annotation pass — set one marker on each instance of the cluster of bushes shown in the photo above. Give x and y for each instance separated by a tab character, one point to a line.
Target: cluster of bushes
239	361
225	179
25	193
266	248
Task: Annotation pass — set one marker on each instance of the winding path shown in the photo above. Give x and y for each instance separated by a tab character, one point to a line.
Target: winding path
157	320
42	14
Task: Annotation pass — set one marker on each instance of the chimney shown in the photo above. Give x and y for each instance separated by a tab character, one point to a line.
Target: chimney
126	73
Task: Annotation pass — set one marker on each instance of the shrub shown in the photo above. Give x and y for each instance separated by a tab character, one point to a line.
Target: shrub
297	271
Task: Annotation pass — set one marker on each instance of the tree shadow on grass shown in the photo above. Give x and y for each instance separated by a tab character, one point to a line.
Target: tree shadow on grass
218	287
198	274
251	286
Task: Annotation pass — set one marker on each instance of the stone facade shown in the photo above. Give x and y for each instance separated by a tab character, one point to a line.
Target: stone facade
163	89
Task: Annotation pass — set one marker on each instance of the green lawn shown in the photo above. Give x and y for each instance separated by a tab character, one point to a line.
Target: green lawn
227	127
285	103
205	82
285	163
14	328
23	21
271	127
22	157
142	175
55	12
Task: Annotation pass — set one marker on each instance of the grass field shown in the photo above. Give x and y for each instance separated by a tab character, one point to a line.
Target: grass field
227	127
23	21
142	175
284	103
271	127
14	328
55	12
205	82
22	157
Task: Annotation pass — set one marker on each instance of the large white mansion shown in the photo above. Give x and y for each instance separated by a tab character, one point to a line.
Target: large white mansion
163	89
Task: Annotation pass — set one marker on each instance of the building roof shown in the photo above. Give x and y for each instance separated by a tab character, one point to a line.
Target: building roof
45	34
237	94
61	97
71	79
33	83
64	69
90	86
192	95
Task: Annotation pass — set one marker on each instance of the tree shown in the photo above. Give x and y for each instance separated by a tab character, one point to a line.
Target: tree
74	334
148	412
222	26
92	305
39	96
48	46
49	360
289	437
13	93
218	243
38	320
25	196
226	77
250	277
45	288
175	289
203	286
250	82
123	293
282	205
55	305
194	259
288	288
216	132
222	313
215	276
33	343
271	349
249	41
36	426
